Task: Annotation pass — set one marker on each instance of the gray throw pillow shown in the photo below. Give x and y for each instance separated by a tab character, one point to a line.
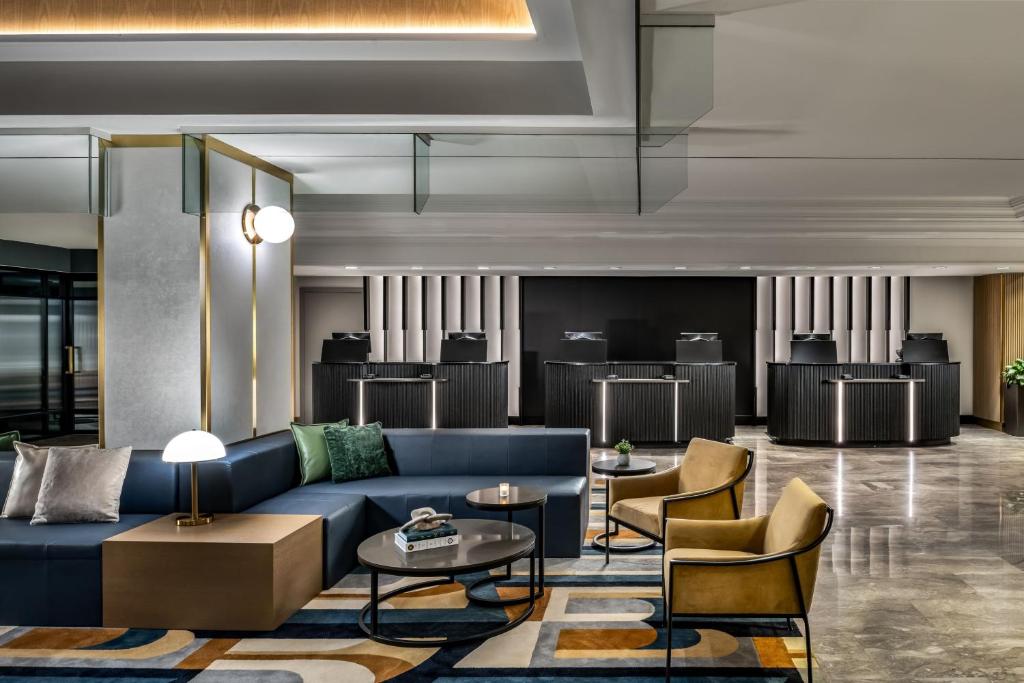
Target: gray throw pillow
82	485
25	481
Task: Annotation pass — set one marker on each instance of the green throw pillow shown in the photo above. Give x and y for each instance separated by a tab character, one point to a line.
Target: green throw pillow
356	452
314	461
7	440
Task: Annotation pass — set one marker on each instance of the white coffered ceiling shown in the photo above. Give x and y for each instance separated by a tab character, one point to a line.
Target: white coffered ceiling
845	133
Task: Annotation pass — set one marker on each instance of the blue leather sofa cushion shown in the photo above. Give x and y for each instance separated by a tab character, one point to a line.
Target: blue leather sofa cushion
496	452
344	524
250	473
150	484
391	499
52	573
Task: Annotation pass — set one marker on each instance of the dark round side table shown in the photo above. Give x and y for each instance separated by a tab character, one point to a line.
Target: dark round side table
519	498
609	467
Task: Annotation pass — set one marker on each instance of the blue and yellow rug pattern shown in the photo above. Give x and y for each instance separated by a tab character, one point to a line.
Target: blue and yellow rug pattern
595	623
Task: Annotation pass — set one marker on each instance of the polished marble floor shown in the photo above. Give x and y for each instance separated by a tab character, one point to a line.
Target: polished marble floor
922	578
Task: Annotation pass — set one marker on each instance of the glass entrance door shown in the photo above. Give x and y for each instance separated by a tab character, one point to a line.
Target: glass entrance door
48	353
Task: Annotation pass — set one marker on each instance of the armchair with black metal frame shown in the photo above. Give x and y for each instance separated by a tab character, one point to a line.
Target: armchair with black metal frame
748	568
707	484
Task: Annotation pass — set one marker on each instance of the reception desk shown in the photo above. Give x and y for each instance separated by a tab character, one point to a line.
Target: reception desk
814	404
641	404
398	395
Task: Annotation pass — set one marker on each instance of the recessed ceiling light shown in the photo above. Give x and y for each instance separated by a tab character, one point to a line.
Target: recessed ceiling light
550	268
1003	268
483	267
939	267
615	268
876	267
680	267
416	268
351	267
744	267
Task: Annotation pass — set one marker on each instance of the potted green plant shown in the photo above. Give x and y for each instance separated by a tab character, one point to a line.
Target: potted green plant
1013	403
623	448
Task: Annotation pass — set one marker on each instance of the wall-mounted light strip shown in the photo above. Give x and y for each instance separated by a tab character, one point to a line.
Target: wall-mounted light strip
604	412
433	405
482	18
910	413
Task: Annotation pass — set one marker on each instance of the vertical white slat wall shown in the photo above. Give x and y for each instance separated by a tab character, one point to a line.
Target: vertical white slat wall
375	307
434	332
471	317
783	318
839	305
492	309
511	343
764	344
490	301
395	334
453	303
414	318
840	316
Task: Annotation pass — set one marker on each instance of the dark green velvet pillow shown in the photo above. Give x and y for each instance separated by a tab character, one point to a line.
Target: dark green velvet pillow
314	461
7	440
356	452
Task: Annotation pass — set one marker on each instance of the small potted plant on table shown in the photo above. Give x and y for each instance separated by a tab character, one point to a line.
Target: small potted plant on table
623	448
1013	403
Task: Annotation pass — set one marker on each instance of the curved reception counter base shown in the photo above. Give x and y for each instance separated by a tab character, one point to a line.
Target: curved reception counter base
643	402
864	404
411	394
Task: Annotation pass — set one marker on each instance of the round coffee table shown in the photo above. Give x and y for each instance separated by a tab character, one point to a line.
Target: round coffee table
519	498
609	467
484	545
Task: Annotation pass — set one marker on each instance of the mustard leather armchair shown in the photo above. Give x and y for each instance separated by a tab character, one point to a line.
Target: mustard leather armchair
707	484
760	567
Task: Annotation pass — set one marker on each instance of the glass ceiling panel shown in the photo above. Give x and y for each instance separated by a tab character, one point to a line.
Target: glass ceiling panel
532	173
49	174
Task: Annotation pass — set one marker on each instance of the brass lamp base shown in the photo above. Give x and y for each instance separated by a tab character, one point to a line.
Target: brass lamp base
198	520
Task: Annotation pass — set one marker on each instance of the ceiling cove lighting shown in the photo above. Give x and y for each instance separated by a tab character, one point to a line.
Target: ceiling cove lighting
1003	268
351	267
480	18
550	268
270	224
680	267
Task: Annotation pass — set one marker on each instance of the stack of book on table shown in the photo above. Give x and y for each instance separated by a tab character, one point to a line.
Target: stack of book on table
414	539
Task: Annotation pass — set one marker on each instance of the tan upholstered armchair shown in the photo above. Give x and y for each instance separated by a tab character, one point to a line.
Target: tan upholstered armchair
708	484
760	567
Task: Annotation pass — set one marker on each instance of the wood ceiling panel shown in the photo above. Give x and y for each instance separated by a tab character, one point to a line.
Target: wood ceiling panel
356	17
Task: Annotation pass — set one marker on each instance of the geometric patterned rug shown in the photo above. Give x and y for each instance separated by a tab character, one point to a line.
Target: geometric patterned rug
594	624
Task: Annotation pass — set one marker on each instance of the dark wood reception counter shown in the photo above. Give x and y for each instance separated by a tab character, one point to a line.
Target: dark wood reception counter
864	404
645	402
396	394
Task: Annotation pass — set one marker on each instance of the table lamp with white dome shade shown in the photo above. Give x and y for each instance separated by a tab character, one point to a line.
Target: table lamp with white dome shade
194	447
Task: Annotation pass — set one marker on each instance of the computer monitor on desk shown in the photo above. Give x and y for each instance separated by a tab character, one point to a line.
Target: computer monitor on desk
464	347
924	347
583	347
812	348
698	347
346	347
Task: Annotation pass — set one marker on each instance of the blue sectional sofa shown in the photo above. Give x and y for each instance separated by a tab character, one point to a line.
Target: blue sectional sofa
51	575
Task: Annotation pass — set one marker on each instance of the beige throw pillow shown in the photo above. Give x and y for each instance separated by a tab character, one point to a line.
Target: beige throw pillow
82	485
25	481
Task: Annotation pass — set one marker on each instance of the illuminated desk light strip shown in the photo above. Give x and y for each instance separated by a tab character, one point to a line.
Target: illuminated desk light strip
841	404
675	400
398	380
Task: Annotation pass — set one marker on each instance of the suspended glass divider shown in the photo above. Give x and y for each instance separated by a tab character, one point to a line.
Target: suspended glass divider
59	173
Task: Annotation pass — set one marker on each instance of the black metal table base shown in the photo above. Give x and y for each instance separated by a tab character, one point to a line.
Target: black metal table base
498	602
601	540
373	629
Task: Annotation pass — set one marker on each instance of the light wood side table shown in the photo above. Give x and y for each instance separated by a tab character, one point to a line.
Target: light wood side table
242	572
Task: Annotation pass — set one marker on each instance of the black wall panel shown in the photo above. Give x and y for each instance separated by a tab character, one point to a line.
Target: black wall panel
641	318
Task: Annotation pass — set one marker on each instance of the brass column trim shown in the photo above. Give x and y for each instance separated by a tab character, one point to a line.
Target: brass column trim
205	370
255	367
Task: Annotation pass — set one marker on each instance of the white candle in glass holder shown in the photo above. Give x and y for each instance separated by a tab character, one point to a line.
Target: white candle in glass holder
503	490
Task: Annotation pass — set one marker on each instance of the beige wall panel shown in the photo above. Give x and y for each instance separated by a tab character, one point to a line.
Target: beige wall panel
273	317
151	297
988	347
231	283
